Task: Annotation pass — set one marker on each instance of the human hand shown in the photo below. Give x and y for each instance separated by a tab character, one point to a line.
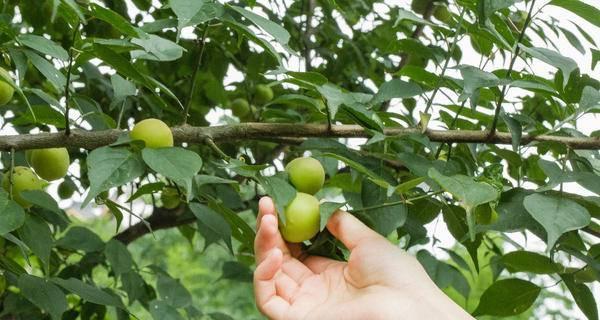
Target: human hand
379	281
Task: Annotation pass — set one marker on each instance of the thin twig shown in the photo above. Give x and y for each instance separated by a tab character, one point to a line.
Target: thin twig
517	50
68	84
202	44
211	143
395	203
447	62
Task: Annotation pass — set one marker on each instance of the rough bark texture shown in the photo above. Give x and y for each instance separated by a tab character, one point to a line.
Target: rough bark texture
276	132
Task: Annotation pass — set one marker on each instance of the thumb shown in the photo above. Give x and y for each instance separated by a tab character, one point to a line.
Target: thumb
349	230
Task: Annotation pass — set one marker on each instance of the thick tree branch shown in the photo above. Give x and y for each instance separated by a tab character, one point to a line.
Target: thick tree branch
276	132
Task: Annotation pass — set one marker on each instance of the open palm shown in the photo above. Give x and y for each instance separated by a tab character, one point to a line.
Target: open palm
379	281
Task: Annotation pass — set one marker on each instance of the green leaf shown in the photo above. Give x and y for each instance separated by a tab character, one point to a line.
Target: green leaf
383	220
156	48
115	20
211	225
37	236
173	292
590	99
443	274
161	310
553	58
193	12
408	15
44	294
121	88
556	215
507	297
580	8
582	295
110	167
118	257
44	46
47	69
468	191
240	230
573	40
595	58
43	200
516	130
396	88
148	188
525	261
75	7
175	163
203	179
280	190
360	168
327	209
488	7
233	270
81	238
88	292
475	78
12	215
274	29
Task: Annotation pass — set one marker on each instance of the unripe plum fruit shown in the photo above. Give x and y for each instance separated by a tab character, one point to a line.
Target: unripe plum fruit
154	132
263	94
6	90
170	198
240	107
50	164
23	179
306	174
302	218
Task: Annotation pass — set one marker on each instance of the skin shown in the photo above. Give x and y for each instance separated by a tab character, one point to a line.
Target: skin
379	281
50	164
155	133
302	218
306	174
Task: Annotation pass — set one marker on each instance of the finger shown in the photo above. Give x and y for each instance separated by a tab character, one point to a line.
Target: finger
265	291
265	207
295	269
349	230
285	286
267	238
318	264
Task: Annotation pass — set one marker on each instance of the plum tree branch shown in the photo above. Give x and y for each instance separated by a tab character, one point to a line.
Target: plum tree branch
278	132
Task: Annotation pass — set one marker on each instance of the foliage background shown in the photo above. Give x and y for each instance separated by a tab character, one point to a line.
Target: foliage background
363	47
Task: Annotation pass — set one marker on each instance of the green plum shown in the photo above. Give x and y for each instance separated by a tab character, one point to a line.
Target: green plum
306	174
240	107
24	179
302	218
170	198
263	94
6	90
50	164
154	132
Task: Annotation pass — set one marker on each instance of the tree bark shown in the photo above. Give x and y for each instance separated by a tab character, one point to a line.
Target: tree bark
279	132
